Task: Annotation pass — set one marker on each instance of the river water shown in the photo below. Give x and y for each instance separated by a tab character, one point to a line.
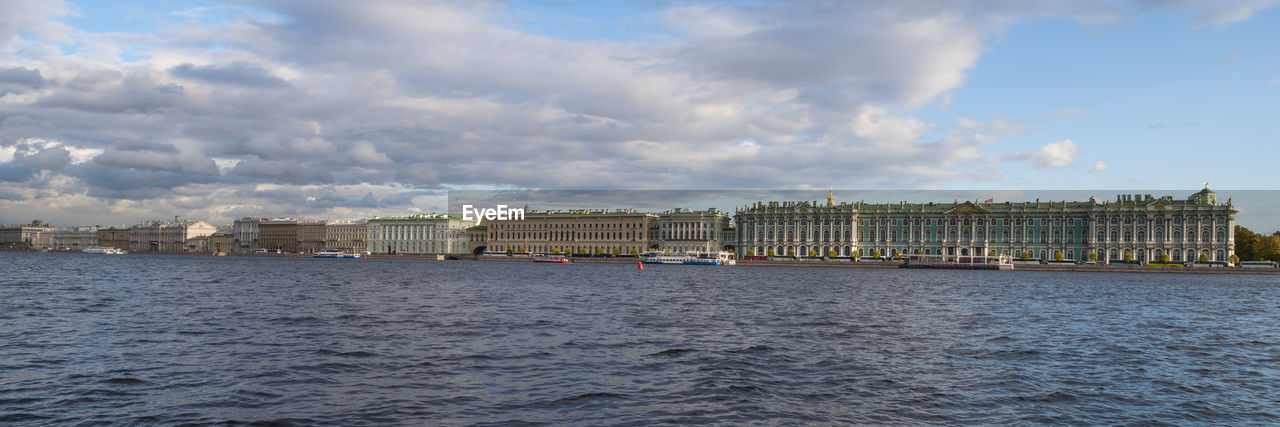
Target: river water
177	339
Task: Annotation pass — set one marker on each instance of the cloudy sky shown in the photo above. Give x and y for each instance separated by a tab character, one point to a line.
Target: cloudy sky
113	112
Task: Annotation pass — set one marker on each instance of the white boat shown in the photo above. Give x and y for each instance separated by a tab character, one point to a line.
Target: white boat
691	258
963	262
334	253
102	250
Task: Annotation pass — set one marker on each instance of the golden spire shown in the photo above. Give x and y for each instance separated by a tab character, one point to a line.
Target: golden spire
1206	184
831	198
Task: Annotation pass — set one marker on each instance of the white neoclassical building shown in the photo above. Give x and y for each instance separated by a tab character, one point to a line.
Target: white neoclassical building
431	233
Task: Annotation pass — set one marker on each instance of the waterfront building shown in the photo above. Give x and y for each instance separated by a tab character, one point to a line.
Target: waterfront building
431	233
584	232
245	231
347	236
1138	227
75	238
22	236
279	235
114	237
477	238
311	236
683	230
221	241
167	236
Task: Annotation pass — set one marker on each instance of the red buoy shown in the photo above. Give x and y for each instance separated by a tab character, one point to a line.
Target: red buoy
640	265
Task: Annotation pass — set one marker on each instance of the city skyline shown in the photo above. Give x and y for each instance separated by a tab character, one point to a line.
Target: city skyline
113	113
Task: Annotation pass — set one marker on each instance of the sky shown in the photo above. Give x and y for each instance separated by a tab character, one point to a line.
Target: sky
117	112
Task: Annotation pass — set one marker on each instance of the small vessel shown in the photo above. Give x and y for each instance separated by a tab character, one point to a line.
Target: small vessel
691	258
551	259
334	253
102	250
958	262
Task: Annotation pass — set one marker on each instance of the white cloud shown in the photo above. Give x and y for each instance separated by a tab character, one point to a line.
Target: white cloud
1051	155
1101	166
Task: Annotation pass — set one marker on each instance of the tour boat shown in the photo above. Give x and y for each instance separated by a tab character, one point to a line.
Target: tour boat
703	258
102	250
957	262
334	253
552	259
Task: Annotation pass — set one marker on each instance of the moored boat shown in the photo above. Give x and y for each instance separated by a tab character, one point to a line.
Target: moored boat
102	250
957	262
550	259
691	258
334	253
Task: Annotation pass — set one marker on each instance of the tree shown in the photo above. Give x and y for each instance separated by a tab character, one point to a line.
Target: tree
634	251
1057	256
555	251
791	252
617	251
897	255
1246	244
751	252
856	254
509	251
771	254
582	251
1025	255
523	250
1235	260
813	253
1128	256
599	251
1164	258
876	253
1093	256
1267	248
991	253
832	254
1203	258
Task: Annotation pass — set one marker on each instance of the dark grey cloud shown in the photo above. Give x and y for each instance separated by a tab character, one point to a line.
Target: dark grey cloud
19	79
48	158
236	73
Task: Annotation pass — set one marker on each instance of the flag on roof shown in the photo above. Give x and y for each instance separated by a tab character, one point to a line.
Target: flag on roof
991	200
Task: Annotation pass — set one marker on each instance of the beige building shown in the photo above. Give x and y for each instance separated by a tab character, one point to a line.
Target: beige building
278	235
222	241
582	232
167	236
350	237
23	236
311	236
684	230
114	238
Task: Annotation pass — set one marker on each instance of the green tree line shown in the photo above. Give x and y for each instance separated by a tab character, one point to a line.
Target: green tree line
1251	246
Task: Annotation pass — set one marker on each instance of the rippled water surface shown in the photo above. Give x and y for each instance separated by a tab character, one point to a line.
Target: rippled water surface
172	339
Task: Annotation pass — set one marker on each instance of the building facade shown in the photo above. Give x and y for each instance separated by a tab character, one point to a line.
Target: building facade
75	238
418	234
1137	227
278	235
245	231
23	236
582	232
167	236
311	236
114	237
222	241
350	237
684	230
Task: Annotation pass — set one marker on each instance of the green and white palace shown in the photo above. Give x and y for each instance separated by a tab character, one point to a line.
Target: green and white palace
1138	227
